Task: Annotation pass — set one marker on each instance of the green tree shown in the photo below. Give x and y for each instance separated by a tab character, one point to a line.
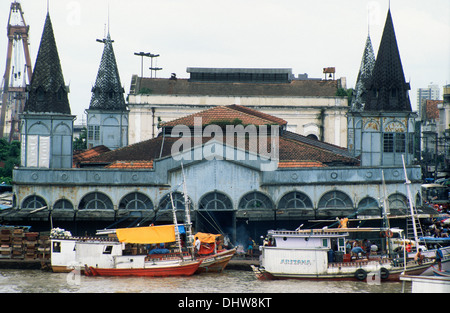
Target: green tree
10	156
80	143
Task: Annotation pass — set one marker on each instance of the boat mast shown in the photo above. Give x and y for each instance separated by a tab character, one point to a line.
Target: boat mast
188	223
411	207
177	231
386	212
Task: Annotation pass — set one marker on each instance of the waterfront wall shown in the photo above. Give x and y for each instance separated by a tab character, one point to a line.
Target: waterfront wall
216	185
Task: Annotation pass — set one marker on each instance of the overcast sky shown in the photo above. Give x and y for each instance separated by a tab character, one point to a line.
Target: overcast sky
303	35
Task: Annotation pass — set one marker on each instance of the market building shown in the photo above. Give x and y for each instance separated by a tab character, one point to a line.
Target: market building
245	170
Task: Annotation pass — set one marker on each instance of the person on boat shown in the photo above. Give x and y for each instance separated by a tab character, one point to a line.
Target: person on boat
356	251
408	247
367	245
226	241
373	249
197	245
439	257
419	257
348	247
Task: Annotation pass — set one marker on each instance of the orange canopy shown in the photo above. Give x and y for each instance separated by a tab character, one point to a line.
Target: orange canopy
147	235
206	238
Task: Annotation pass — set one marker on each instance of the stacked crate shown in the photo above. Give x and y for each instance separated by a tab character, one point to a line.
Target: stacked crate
17	243
43	248
5	243
30	245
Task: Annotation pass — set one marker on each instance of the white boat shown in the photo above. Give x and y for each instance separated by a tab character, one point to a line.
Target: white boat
320	254
428	284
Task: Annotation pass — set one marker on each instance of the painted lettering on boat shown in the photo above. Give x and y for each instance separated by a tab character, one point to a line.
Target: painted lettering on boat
295	262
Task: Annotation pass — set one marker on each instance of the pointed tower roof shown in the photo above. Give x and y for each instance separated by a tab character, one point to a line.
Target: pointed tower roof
364	76
388	90
108	93
47	92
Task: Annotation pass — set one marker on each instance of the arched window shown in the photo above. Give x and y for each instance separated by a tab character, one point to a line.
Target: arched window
96	201
295	200
335	199
367	203
368	206
33	202
255	201
397	201
63	204
178	202
136	201
215	201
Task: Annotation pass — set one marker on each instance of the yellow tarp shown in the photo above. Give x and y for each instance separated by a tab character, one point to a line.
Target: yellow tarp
206	238
147	235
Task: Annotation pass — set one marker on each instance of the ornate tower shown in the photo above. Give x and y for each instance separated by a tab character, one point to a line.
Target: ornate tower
386	119
47	123
354	117
107	116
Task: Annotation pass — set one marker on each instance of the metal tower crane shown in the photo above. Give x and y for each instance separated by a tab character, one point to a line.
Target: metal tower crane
18	72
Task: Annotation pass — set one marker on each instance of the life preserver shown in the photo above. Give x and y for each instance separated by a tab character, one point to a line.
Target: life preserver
360	274
386	234
384	273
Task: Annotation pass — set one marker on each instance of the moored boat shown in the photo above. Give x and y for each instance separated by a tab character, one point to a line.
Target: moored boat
103	260
427	284
147	269
321	254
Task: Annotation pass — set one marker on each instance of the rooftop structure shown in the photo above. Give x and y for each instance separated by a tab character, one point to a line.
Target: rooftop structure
47	92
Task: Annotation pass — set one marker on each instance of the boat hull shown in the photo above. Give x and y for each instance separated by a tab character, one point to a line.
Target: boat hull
360	274
216	263
183	269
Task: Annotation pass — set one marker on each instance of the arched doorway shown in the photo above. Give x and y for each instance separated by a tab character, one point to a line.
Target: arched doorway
216	214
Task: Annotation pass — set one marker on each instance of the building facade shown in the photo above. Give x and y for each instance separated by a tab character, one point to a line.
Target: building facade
310	106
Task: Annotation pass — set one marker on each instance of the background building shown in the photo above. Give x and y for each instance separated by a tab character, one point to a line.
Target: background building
311	107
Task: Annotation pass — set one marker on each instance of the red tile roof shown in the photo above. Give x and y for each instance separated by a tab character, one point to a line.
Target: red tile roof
82	156
294	164
294	150
131	165
232	114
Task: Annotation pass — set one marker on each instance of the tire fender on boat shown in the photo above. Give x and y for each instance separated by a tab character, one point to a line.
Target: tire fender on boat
384	273
360	274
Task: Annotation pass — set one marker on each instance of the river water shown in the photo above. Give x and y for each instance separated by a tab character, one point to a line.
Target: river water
230	281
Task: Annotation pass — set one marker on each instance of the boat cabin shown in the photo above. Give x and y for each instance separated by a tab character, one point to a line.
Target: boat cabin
69	252
308	239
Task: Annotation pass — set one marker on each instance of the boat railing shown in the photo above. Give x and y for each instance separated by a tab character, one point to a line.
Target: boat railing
359	263
84	238
312	232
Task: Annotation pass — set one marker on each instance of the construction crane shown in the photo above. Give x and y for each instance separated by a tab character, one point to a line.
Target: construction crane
18	73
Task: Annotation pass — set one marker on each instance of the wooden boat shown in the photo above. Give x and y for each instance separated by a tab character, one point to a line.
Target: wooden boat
316	254
149	269
440	273
217	262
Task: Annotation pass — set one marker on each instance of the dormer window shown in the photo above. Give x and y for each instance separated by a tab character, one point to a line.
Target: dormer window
40	94
60	94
